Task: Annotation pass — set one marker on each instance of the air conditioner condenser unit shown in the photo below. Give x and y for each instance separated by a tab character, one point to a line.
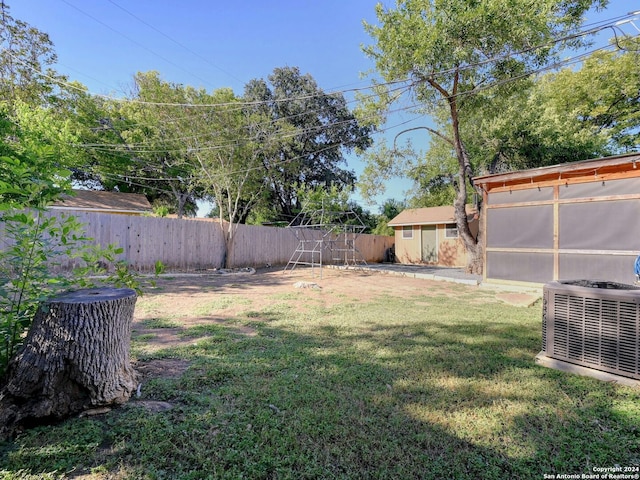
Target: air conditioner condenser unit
592	328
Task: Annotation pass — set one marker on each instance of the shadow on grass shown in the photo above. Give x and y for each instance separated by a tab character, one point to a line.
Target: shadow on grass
198	282
408	397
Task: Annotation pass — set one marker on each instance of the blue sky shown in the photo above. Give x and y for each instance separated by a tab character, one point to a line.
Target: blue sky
214	44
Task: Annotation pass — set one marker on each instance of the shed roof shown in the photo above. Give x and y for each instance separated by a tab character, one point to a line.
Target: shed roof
561	171
428	216
116	202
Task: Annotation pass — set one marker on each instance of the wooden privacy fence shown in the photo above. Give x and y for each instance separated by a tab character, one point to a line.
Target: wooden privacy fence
198	244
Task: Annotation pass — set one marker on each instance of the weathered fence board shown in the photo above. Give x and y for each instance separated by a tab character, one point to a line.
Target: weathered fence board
198	244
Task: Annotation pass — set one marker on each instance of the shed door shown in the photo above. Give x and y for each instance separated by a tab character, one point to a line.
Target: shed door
429	244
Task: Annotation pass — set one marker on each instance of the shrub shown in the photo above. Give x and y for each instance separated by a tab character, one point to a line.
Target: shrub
34	265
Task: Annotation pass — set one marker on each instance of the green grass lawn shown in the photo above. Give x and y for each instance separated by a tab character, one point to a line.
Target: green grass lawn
428	386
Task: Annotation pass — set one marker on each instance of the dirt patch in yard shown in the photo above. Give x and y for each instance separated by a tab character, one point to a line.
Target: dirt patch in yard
161	367
181	310
219	298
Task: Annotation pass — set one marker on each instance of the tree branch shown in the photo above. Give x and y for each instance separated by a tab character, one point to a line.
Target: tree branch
438	87
430	130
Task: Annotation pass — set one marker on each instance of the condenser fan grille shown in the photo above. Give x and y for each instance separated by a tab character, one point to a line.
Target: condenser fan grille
593	327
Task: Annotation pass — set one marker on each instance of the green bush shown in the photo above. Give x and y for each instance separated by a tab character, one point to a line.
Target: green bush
42	256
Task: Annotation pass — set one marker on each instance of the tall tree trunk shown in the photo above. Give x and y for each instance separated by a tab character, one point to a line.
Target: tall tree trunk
75	356
228	244
473	245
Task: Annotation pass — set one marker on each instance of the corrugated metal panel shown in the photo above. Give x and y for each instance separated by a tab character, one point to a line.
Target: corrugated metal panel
624	186
522	196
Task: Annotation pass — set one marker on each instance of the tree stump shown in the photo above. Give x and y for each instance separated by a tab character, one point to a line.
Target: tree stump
75	357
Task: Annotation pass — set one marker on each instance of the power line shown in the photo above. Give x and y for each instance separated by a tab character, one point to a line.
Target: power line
240	106
134	41
553	66
403	87
272	123
600	25
239	171
137	148
181	45
198	105
608	24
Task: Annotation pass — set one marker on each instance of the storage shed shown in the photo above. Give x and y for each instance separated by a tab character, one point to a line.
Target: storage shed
577	220
430	235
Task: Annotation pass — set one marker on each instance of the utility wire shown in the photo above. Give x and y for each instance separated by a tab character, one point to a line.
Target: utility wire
270	124
134	41
600	26
240	106
592	31
553	66
181	45
198	105
566	62
137	148
239	171
609	24
404	86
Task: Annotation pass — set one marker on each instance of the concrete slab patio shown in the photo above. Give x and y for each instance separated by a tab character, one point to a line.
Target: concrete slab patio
516	296
427	272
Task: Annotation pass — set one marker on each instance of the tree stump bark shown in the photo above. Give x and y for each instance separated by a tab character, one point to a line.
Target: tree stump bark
75	356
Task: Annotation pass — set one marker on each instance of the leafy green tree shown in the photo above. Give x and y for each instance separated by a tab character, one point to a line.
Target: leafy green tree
381	164
314	129
26	56
37	131
40	104
569	115
34	95
333	207
30	173
449	52
382	227
600	100
389	210
107	158
545	122
228	143
34	245
138	145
